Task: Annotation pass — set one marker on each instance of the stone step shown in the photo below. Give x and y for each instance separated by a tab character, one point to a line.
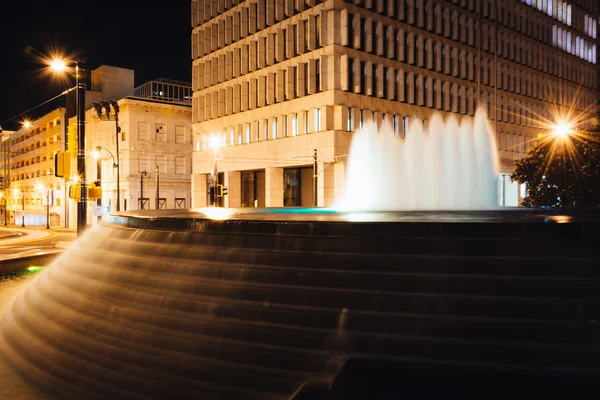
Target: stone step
458	264
530	306
327	321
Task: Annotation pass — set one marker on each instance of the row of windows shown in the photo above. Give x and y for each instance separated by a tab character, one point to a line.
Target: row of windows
388	41
159	133
309	121
364	77
179	166
265	50
234	26
573	44
255	14
558	9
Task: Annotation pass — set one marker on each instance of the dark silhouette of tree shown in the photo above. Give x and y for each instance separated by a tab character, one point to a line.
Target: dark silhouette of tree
561	172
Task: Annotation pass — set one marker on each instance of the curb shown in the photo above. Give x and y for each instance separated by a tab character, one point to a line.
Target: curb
13	265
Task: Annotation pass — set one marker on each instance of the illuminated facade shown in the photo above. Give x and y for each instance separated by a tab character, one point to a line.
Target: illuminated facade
30	181
283	83
154	134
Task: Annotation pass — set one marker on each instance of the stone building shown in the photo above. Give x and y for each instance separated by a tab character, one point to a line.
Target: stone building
155	136
280	85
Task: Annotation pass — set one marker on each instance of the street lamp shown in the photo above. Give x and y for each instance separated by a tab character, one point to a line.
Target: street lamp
562	130
106	106
142	174
60	66
40	188
115	165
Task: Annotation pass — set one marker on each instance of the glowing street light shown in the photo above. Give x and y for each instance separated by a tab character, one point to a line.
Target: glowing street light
57	65
562	130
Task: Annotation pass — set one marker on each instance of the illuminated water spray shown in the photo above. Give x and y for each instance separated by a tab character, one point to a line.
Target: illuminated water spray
452	165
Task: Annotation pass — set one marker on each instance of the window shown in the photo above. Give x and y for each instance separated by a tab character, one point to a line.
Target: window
143	131
396	125
180	134
179	165
317	120
161	132
350	120
247	139
274	129
294	124
404	127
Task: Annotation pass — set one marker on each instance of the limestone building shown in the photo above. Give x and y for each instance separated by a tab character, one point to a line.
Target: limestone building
155	136
280	85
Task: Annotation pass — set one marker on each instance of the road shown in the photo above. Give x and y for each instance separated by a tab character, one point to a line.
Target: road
16	242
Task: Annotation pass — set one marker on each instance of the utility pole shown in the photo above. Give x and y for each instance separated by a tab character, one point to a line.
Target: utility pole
157	187
23	215
82	204
99	178
315	171
47	208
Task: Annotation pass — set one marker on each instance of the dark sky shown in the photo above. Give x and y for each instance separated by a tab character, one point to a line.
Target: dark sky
150	37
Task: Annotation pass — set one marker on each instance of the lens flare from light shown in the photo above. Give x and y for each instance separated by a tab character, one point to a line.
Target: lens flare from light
562	130
58	65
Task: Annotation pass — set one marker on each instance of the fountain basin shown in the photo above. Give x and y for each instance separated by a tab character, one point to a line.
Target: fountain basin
258	304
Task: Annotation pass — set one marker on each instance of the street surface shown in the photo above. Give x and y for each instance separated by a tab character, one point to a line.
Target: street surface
17	242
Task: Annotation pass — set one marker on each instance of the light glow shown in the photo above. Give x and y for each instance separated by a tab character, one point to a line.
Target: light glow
58	65
562	130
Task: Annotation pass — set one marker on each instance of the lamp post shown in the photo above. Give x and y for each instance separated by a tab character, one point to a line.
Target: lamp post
4	206
40	188
59	66
115	165
157	187
106	106
142	174
96	156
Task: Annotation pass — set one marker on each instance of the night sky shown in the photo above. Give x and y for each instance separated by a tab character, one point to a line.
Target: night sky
150	37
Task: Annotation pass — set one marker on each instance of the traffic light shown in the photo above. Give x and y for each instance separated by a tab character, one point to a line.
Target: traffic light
72	139
1	182
221	190
62	164
94	191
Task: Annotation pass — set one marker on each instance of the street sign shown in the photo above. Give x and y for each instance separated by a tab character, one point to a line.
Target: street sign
98	211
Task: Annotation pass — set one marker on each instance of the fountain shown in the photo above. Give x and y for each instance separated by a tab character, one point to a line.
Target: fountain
279	304
449	166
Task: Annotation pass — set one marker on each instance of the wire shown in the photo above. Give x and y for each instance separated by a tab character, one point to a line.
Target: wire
39	105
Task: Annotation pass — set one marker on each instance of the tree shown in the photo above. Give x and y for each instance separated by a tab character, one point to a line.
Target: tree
561	171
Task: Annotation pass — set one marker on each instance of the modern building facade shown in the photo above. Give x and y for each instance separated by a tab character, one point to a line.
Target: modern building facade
280	85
